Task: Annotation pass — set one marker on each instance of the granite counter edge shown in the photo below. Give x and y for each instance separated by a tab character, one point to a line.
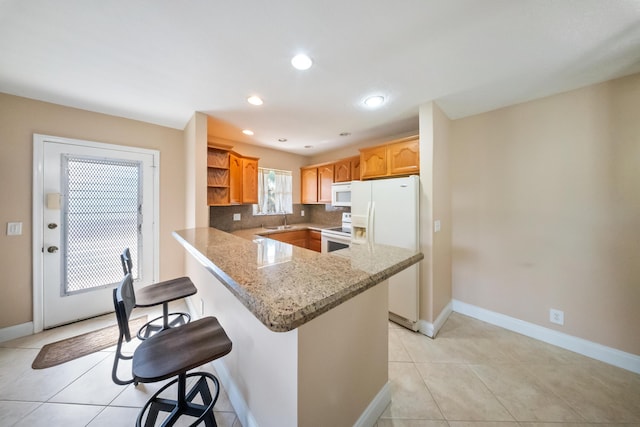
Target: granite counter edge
288	322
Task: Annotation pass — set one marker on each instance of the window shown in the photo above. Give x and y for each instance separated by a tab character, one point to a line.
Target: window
103	215
275	194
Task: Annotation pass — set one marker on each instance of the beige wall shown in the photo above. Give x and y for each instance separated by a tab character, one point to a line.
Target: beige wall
435	204
20	118
335	347
195	146
546	211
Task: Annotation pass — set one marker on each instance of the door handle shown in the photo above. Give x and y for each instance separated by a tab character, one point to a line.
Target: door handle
52	249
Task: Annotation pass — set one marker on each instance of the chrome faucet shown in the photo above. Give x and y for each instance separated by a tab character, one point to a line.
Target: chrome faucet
284	214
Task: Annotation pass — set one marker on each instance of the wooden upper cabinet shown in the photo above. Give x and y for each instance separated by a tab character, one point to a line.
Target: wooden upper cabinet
355	168
400	157
404	157
231	178
373	162
342	171
249	180
316	183
235	173
309	185
316	180
218	176
325	179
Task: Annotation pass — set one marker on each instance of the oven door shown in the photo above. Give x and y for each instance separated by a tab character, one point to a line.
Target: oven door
331	242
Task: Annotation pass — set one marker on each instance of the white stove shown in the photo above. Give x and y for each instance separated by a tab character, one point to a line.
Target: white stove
337	238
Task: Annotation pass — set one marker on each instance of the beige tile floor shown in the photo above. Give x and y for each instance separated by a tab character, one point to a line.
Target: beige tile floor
80	392
477	375
472	375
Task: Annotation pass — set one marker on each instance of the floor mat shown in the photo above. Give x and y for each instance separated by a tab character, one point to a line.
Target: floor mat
72	348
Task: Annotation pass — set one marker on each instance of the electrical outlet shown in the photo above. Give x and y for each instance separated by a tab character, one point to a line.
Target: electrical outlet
236	217
436	226
301	213
556	316
201	307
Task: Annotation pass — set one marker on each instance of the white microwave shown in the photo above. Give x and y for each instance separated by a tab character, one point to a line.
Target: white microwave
341	194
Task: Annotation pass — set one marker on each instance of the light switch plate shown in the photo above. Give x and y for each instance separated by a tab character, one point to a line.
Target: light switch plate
236	217
436	225
14	228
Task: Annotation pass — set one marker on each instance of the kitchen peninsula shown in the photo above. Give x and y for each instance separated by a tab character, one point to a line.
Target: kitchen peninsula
309	330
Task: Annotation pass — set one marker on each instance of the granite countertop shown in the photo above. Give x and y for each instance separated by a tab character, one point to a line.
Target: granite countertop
285	286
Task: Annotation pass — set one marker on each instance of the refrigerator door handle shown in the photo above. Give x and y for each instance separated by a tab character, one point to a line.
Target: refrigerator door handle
372	210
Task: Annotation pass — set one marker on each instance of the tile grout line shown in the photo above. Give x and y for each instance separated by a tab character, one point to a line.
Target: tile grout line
471	365
527	368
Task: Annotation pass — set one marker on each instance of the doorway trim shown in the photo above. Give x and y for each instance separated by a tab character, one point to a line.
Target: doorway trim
39	142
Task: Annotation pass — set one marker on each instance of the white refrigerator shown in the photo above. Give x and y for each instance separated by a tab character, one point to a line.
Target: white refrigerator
386	212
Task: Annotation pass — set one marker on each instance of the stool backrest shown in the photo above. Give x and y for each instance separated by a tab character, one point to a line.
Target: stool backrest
125	259
124	300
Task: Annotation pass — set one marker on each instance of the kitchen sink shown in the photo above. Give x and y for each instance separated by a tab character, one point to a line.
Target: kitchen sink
279	227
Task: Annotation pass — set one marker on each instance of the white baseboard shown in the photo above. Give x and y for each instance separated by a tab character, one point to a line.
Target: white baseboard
367	419
235	397
377	406
195	314
431	329
612	356
233	392
17	331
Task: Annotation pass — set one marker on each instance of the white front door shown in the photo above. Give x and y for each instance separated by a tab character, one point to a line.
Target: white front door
96	199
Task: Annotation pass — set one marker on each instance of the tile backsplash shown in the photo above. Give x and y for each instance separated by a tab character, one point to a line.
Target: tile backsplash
221	217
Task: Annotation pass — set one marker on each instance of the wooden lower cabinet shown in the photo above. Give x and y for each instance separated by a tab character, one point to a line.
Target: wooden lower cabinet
308	239
315	241
296	238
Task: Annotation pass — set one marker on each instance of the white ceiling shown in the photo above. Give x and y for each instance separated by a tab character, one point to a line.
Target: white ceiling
159	61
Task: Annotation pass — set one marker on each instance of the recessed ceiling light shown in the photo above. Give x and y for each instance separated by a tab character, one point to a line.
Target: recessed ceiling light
374	101
247	132
254	100
301	62
282	139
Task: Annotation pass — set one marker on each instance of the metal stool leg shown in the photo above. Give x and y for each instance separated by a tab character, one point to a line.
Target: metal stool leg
183	405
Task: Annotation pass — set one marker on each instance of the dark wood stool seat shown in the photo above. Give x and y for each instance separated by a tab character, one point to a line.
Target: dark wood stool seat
160	293
170	353
180	349
163	293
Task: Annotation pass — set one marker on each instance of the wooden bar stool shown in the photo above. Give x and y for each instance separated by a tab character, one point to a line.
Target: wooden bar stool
170	353
160	293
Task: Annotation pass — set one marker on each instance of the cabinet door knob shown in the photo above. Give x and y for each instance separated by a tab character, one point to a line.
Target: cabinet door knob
52	249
